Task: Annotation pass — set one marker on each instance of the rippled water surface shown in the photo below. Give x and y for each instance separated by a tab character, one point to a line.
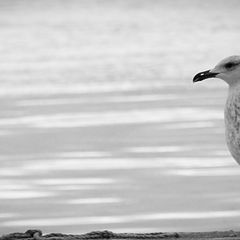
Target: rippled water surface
100	124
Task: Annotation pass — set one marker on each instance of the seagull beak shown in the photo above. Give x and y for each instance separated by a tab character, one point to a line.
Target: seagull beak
204	75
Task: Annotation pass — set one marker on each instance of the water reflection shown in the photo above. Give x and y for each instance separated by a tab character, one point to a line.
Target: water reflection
71	120
94	201
118	164
22	194
123	219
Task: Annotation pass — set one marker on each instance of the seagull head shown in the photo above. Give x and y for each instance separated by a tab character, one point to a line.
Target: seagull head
228	70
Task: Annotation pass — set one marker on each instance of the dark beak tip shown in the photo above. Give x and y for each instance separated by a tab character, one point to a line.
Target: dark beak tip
195	79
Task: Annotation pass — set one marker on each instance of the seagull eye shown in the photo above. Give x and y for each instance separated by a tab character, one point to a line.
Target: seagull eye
229	65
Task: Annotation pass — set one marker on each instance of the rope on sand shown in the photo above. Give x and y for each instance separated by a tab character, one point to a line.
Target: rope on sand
37	235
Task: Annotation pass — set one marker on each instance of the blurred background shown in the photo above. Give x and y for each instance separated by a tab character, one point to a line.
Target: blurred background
100	124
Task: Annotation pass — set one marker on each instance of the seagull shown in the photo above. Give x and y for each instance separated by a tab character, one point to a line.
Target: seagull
228	70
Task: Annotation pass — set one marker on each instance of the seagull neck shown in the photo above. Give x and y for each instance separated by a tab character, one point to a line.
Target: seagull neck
234	87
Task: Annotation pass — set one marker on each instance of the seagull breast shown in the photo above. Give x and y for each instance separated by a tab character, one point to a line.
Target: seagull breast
232	122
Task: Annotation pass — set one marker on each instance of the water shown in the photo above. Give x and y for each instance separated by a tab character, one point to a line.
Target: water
101	126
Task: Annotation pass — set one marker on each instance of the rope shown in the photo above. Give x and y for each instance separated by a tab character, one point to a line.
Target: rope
37	235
